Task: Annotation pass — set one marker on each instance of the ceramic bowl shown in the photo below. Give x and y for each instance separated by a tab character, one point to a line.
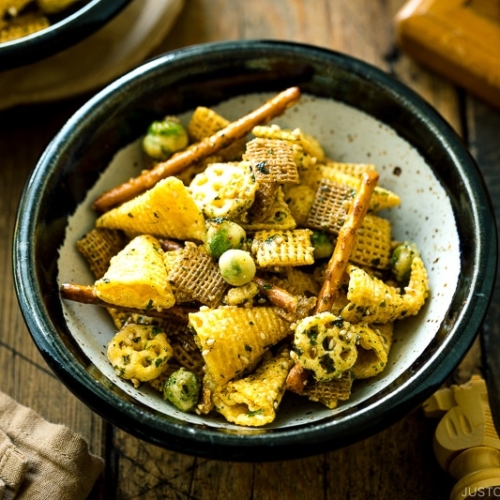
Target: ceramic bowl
66	29
359	114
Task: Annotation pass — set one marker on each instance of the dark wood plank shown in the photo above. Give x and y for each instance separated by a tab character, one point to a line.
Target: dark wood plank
397	462
24	375
483	125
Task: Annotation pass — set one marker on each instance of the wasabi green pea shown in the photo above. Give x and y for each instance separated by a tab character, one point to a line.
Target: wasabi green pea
164	138
323	245
182	389
222	235
401	260
237	267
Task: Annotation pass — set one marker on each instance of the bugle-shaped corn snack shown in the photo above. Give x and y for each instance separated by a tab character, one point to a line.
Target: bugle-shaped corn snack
254	400
167	210
373	301
231	339
373	350
137	277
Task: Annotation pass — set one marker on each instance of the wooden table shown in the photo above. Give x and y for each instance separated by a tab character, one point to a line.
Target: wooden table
397	462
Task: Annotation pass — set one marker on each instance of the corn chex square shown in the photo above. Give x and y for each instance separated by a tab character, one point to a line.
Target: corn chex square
307	142
98	246
283	248
373	245
205	122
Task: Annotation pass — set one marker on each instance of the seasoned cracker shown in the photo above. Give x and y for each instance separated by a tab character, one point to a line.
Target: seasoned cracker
381	198
185	350
325	345
345	242
206	122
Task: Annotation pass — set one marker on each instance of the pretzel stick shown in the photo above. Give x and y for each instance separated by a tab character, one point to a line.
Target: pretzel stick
85	294
345	243
278	296
296	379
169	245
208	146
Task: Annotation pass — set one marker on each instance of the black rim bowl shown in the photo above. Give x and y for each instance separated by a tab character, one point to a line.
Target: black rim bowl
179	81
66	30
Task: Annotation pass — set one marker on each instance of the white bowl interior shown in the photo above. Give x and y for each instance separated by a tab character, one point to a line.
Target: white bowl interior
425	217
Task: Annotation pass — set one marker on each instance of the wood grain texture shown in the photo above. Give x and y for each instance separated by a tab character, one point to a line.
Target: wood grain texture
398	462
457	39
483	128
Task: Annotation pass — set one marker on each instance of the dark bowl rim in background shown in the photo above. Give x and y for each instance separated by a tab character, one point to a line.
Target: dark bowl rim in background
257	64
64	33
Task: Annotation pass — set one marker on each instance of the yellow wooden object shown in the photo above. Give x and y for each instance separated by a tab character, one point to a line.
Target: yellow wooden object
466	443
456	38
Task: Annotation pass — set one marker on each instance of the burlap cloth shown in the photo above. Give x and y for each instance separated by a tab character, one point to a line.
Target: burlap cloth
40	460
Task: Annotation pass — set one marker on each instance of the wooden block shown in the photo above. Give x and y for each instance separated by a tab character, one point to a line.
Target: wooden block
467	424
459	39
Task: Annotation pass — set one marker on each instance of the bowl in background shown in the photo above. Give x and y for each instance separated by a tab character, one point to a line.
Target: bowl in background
67	28
359	114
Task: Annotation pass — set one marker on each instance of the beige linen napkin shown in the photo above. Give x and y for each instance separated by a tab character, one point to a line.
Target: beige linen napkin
40	460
